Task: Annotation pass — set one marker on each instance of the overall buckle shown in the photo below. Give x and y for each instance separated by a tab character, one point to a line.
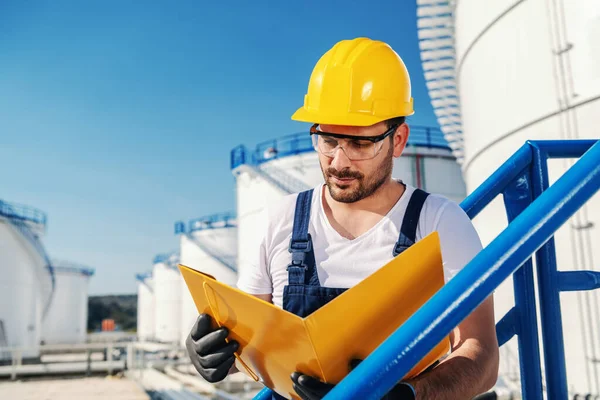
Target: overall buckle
303	246
299	249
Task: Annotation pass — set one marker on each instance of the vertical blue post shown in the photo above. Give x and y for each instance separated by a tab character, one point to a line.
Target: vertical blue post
551	319
517	197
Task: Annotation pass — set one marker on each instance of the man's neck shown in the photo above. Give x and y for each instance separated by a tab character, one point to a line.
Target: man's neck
379	202
351	220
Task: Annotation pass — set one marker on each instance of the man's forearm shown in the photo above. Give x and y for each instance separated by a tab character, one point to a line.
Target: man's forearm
467	372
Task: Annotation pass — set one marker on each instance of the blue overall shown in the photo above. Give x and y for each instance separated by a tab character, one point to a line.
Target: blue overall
304	294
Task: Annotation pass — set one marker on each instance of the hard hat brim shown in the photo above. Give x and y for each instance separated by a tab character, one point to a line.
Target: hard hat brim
350	119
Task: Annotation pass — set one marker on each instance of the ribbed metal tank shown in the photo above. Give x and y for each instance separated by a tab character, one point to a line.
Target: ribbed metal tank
290	164
525	70
145	307
167	298
208	244
66	322
27	283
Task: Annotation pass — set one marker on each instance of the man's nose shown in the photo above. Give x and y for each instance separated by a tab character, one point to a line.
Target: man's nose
340	160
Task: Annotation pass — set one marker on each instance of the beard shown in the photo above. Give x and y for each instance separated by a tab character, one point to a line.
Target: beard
361	187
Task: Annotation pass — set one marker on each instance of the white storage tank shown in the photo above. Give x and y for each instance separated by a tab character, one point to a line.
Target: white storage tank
66	322
428	163
290	164
524	70
27	281
145	307
167	298
208	244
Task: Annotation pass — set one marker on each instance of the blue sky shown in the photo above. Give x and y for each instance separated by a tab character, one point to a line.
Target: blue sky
117	117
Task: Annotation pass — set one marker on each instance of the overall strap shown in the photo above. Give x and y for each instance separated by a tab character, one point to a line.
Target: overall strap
408	230
301	243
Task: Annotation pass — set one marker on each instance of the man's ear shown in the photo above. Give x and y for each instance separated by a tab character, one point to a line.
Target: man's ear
400	139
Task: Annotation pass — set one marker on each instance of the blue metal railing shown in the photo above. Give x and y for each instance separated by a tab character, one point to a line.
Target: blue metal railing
220	220
19	217
71	267
301	142
142	277
81	271
169	259
214	221
536	211
23	213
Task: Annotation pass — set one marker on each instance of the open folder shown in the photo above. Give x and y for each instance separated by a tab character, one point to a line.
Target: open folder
274	343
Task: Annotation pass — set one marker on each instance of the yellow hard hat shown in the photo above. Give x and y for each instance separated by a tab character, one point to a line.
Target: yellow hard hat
358	82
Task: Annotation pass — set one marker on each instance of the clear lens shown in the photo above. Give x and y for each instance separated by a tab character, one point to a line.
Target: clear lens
355	149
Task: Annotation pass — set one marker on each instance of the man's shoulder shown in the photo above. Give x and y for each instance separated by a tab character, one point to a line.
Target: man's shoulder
459	239
438	208
280	213
439	201
282	207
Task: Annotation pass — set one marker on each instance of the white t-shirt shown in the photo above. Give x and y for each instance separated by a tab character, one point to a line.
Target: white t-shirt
341	262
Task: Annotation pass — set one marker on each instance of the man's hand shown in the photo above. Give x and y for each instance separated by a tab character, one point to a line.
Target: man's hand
310	388
210	354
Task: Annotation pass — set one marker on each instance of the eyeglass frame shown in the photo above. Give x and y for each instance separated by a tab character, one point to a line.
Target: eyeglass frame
372	139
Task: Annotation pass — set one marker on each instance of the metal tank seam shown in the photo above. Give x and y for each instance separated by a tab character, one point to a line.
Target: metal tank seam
480	35
489	145
566	92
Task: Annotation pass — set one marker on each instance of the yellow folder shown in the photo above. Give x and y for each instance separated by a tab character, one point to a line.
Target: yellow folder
274	343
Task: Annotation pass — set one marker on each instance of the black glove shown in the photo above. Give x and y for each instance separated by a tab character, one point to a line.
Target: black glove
310	388
210	354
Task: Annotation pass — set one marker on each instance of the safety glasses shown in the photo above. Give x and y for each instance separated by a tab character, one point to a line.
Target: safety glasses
356	148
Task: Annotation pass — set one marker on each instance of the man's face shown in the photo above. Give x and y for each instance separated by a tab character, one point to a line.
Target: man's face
349	181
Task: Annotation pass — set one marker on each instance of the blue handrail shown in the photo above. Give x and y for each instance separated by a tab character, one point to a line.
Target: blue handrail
220	220
521	179
213	221
71	267
81	271
169	259
143	276
298	143
530	231
18	218
23	213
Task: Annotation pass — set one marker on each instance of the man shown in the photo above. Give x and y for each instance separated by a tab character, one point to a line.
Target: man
358	97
